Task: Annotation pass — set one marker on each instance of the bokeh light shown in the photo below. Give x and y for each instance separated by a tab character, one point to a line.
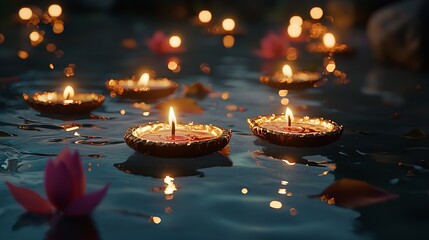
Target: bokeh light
329	40
23	54
316	13
55	10
58	27
228	24
25	13
34	36
294	30
1	38
175	41
330	67
205	16
296	20
172	65
50	47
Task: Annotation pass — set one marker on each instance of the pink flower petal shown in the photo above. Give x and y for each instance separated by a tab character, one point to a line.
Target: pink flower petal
86	204
58	184
272	46
63	155
159	44
351	193
30	200
75	168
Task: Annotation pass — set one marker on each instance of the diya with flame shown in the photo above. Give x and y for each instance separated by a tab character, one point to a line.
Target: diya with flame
286	79
172	139
329	46
66	103
287	130
145	89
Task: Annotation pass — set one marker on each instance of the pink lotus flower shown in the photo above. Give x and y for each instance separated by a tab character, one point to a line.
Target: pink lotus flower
273	46
159	44
64	186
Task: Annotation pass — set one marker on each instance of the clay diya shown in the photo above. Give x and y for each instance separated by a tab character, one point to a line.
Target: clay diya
329	46
65	103
144	89
287	130
286	79
172	139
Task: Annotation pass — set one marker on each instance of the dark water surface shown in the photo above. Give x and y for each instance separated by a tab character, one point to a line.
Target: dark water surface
377	107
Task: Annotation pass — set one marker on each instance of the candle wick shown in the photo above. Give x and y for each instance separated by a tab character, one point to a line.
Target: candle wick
289	122
173	130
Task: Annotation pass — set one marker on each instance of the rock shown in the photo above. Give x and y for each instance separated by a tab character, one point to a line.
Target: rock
398	34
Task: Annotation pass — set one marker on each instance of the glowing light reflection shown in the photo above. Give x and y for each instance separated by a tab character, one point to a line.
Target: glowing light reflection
228	41
171	187
276	204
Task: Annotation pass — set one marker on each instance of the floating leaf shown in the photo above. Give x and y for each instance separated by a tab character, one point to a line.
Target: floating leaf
196	90
5	134
184	105
350	193
415	134
30	200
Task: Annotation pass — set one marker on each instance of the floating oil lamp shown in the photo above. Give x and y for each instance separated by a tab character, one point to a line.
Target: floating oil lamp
329	46
286	79
287	130
172	139
228	27
145	89
65	103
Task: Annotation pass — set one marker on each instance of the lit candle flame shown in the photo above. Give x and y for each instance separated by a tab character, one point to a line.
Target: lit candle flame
289	116
205	16
172	122
175	41
329	40
287	70
228	24
171	187
144	80
68	92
